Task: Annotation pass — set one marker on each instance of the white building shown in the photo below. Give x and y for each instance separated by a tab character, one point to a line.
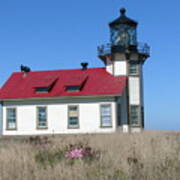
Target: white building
86	100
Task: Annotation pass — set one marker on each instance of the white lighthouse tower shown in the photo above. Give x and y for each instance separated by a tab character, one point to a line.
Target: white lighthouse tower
125	56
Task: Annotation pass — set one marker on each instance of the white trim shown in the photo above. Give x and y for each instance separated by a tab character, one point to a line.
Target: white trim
59	98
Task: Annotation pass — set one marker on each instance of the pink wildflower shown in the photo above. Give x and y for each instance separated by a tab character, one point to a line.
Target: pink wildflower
80	153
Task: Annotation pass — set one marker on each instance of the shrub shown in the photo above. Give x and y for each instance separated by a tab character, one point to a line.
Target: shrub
48	158
39	140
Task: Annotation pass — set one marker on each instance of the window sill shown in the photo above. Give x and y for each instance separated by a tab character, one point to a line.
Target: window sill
8	129
42	128
73	127
136	126
106	127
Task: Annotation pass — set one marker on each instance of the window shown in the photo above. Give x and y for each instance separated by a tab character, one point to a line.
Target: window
41	117
133	69
11	119
142	116
119	114
44	84
72	88
73	117
106	115
135	115
42	89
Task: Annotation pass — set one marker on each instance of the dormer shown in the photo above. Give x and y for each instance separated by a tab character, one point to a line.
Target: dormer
44	85
75	83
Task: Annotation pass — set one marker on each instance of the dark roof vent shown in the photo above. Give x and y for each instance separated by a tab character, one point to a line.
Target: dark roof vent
25	69
84	65
123	11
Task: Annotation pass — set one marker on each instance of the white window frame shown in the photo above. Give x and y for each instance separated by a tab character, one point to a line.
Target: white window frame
37	117
102	116
7	118
138	114
70	126
136	68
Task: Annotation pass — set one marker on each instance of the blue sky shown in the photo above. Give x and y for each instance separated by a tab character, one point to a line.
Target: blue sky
59	34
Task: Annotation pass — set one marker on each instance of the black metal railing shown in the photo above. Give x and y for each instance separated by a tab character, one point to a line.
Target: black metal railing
143	48
106	49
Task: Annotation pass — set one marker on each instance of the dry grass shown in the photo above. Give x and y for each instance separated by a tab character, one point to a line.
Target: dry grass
145	156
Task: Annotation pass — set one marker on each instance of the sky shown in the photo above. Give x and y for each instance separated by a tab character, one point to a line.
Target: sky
60	34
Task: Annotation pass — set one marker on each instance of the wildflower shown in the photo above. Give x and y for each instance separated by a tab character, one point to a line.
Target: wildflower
79	153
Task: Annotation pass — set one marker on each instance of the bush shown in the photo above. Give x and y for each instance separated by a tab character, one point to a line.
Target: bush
46	157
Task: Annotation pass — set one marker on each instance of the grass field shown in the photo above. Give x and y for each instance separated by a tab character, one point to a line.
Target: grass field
152	155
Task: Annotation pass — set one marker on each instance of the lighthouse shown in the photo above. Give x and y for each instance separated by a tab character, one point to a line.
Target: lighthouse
125	56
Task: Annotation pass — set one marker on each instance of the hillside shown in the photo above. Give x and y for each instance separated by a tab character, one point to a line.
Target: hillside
151	155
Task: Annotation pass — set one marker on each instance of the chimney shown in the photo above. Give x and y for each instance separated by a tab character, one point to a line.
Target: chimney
84	65
25	70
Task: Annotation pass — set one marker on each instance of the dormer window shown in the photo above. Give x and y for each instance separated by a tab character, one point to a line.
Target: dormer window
75	83
42	89
45	84
73	88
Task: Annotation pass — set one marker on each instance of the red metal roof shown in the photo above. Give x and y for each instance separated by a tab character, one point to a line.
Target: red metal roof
76	80
98	82
44	81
